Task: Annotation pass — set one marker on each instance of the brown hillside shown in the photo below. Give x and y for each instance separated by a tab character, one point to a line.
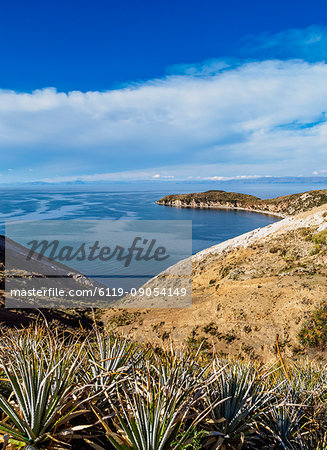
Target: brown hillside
246	291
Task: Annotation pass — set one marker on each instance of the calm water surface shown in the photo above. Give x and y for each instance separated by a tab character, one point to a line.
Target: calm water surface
125	203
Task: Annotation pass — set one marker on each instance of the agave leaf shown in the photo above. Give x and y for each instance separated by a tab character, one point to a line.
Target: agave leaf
71	416
81	427
14	417
12	432
93	444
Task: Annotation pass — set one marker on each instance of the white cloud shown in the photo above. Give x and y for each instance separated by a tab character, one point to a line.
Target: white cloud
259	117
157	175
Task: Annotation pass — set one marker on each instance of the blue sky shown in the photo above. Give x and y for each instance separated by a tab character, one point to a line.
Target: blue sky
126	90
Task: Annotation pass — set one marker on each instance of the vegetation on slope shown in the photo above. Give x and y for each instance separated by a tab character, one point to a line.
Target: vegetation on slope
314	331
102	391
212	196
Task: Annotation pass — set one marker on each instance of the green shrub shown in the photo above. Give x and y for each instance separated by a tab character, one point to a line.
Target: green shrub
320	241
125	318
314	331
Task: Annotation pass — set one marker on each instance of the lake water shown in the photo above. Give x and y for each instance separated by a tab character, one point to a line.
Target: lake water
137	202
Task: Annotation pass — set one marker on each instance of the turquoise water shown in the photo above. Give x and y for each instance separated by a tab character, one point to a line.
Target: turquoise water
132	203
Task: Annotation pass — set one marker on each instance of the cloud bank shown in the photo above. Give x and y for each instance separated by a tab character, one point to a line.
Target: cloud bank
219	119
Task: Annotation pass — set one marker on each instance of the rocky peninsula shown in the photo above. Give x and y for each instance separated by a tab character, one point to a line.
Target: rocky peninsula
285	206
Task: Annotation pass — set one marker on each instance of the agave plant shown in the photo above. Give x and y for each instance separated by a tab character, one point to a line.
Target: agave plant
147	399
154	407
284	423
45	397
172	368
309	382
298	418
232	421
110	358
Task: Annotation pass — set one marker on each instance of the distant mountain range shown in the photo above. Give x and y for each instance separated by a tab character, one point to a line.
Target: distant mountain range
259	180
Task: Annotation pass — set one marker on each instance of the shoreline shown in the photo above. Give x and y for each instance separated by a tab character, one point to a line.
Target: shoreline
257	211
